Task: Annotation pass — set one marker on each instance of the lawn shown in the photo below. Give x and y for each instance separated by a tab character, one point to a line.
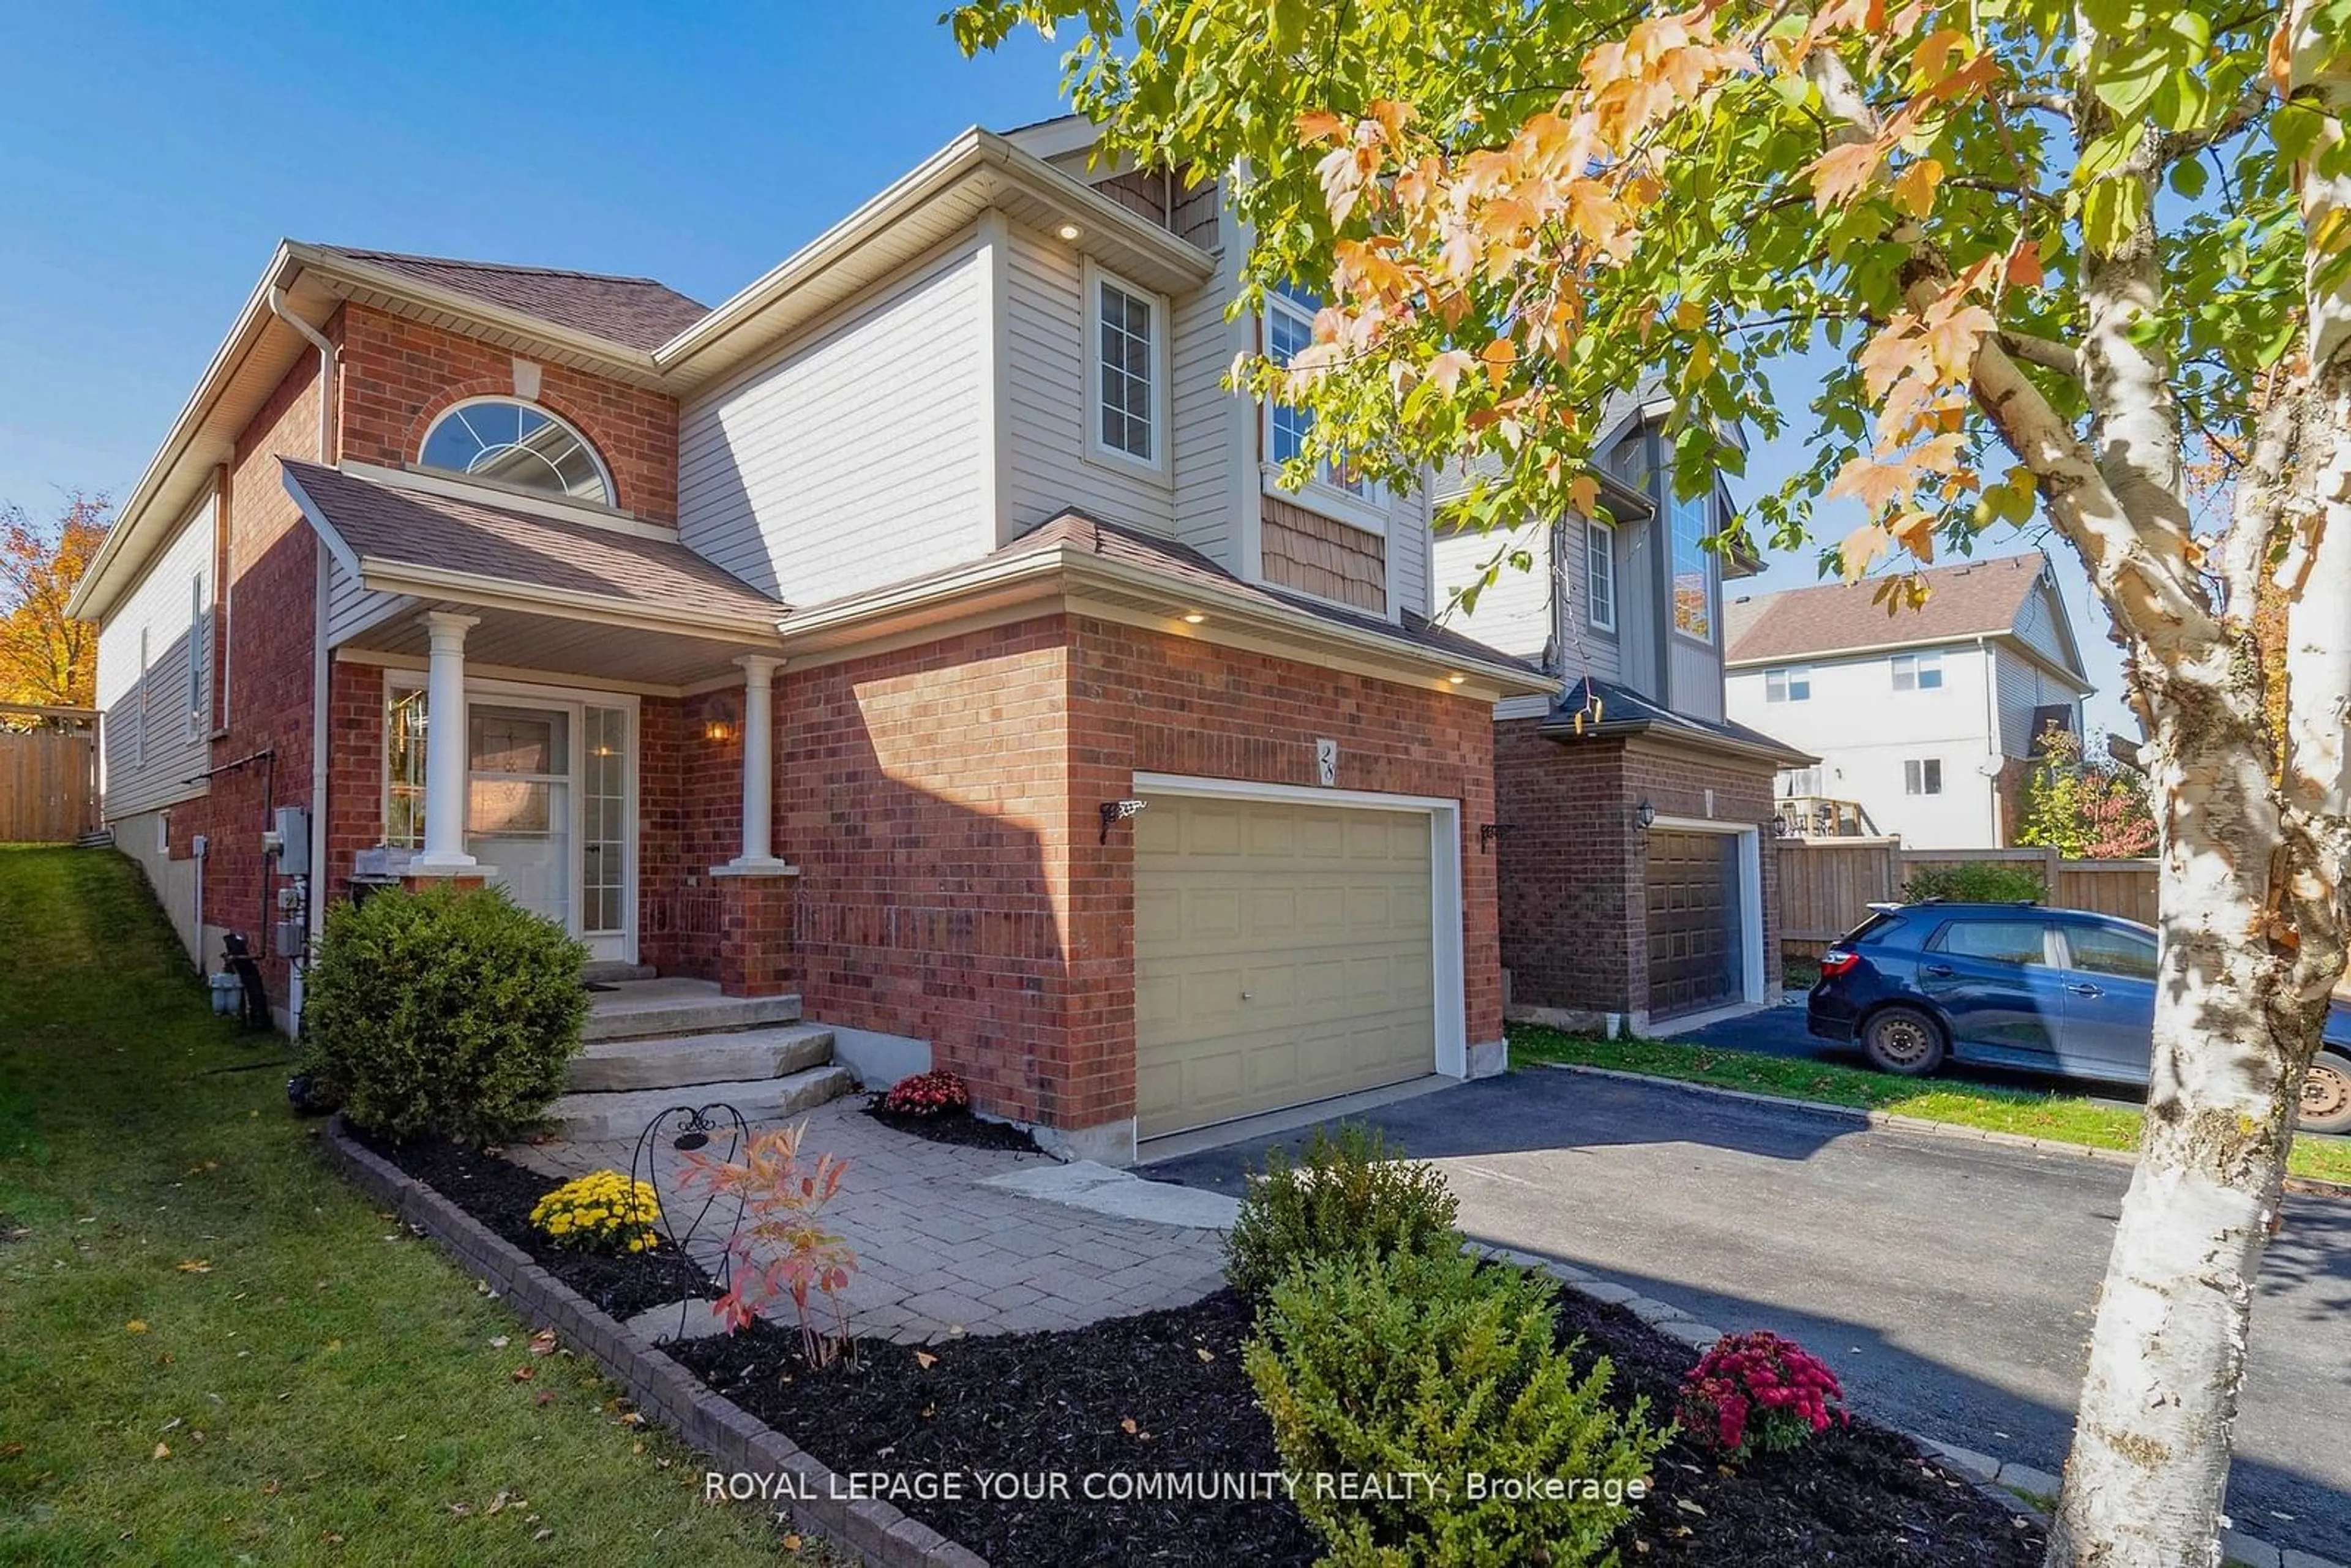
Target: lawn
2061	1118
211	1351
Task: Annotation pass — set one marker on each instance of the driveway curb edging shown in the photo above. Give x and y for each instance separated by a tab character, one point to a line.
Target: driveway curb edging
2308	1186
701	1418
2000	1480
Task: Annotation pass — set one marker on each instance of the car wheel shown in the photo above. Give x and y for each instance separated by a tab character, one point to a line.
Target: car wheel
2326	1094
1903	1040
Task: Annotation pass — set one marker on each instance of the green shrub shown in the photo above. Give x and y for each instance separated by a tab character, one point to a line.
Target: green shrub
1431	1365
1350	1196
442	1011
1975	882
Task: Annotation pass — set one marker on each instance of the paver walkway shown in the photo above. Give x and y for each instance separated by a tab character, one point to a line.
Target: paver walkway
940	1253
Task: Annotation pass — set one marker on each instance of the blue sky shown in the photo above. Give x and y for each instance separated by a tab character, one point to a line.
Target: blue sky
150	156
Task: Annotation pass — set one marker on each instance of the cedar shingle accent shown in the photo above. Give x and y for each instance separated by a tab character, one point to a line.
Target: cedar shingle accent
1314	555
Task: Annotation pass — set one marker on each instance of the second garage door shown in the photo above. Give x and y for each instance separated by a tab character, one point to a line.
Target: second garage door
1694	950
1282	953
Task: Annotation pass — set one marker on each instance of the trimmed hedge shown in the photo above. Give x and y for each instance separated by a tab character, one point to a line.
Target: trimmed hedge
1351	1194
443	1012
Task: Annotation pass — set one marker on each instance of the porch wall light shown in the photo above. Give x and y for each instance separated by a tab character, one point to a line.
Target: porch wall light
718	731
1491	833
1645	814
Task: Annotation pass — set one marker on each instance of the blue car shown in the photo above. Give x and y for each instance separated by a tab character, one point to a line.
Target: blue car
2017	986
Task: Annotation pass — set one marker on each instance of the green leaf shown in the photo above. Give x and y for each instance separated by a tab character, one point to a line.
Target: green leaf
2112	211
2189	177
2128	77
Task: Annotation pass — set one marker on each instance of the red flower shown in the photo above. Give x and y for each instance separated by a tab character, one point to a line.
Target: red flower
1758	1390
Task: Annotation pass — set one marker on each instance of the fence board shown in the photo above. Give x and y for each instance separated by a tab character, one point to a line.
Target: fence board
48	792
1826	885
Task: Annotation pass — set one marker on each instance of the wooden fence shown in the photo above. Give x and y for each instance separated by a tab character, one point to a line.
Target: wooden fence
1826	885
48	785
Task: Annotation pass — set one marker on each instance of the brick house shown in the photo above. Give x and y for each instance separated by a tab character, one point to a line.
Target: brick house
1636	873
920	631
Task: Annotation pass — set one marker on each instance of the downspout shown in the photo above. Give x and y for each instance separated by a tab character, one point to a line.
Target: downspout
1991	729
328	389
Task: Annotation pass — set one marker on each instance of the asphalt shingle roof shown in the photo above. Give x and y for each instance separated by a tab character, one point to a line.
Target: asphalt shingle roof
635	312
413	528
1967	599
1168	558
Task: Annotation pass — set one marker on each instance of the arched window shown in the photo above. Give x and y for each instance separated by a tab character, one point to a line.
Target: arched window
508	441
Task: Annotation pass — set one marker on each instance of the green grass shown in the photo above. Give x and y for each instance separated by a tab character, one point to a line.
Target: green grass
2061	1118
211	1351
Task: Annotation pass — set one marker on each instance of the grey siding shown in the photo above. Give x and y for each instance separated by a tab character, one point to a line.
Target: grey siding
2023	686
351	609
851	459
154	735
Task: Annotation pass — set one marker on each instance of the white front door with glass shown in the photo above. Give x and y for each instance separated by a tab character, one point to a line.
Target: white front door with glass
550	802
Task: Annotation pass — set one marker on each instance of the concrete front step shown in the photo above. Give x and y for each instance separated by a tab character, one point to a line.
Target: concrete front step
595	1118
612	972
608	1066
651	1009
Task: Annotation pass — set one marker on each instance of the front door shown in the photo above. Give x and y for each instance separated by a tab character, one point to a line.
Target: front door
548	808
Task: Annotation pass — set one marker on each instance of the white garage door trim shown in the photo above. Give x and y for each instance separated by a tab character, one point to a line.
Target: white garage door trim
1445	881
1751	893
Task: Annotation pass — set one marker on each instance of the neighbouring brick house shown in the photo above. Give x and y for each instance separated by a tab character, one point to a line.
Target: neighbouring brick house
825	642
1635	850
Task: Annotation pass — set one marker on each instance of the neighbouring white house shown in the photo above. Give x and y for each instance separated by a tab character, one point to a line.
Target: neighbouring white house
1924	720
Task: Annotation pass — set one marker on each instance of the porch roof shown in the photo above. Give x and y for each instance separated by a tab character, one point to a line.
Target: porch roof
443	547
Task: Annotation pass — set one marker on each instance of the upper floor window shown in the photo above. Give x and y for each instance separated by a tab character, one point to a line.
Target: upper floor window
1127	327
1600	575
1917	671
1789	685
1289	313
1691	521
508	441
1922	776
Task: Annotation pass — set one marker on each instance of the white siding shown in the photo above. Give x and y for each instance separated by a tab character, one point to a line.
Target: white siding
1044	420
1205	412
1409	584
1863	730
1513	612
351	609
152	738
851	459
2024	686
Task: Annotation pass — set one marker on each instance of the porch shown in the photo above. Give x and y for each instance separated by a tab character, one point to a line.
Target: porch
611	763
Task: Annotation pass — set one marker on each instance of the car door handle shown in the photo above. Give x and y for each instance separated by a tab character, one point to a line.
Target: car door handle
1940	971
2085	990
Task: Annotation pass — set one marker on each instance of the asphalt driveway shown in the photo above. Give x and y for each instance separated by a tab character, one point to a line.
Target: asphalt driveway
1950	1282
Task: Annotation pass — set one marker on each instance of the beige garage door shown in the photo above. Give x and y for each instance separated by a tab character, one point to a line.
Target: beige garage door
1281	954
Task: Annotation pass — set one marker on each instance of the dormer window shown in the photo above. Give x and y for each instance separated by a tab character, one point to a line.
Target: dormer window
505	441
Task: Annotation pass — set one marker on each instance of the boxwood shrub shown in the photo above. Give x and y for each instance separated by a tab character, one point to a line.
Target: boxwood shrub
1352	1193
444	1011
1430	1365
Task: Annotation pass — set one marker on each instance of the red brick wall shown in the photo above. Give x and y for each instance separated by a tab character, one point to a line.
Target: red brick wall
269	641
689	815
941	803
355	736
923	794
1574	893
397	374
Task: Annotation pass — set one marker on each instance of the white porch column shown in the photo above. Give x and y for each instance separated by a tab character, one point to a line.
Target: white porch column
759	765
444	750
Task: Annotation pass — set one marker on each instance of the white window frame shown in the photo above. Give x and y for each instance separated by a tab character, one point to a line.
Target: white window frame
1916	780
1781	686
1366	508
1599	545
609	505
198	655
1093	277
1917	671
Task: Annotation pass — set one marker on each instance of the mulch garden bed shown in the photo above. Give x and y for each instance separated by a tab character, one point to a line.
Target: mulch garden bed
958	1127
501	1195
1139	1394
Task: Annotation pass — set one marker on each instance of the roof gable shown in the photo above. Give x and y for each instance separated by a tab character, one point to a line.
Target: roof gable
635	312
1964	601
